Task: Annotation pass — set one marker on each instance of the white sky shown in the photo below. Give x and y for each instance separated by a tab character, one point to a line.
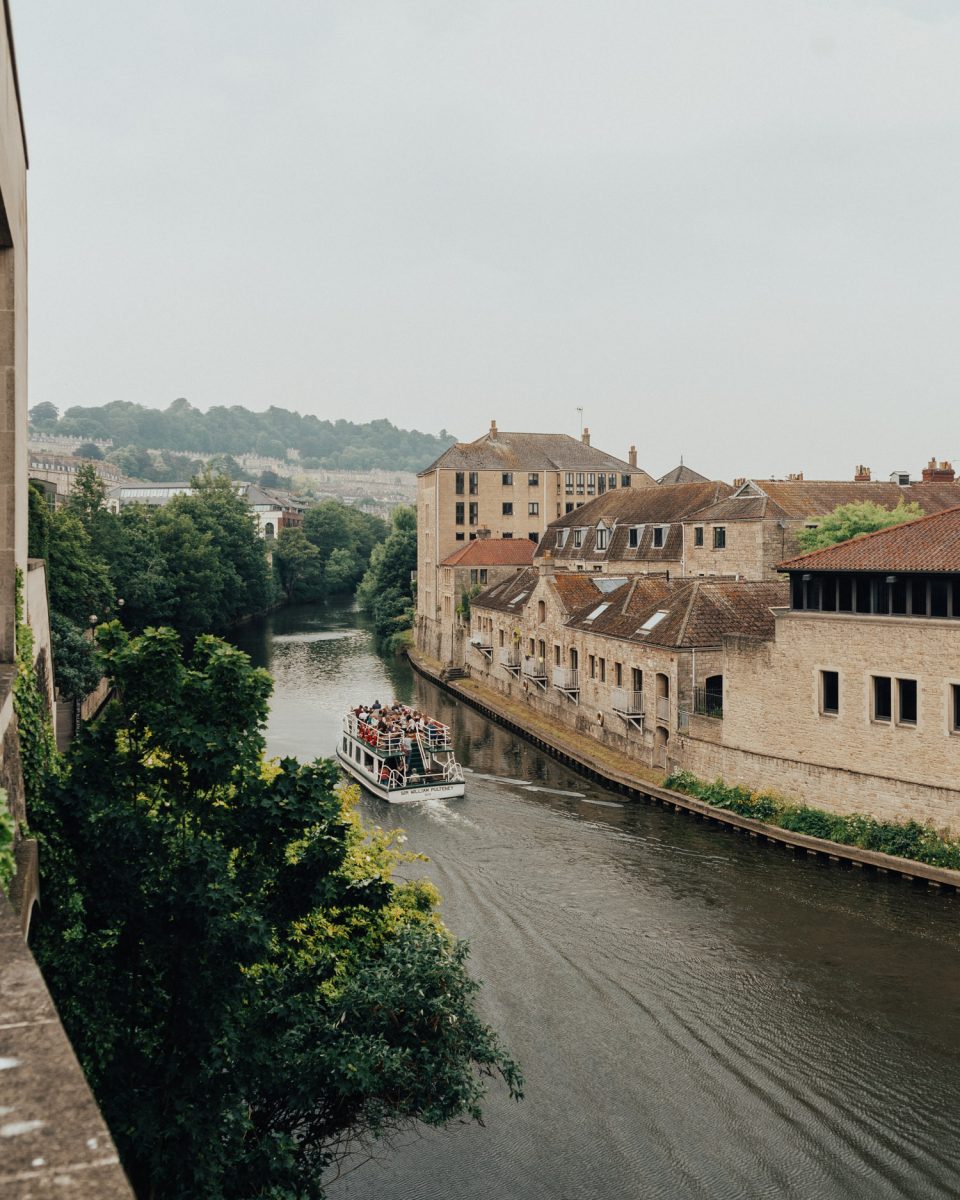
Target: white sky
725	229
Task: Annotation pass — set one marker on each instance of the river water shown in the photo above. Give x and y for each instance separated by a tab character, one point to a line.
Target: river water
695	1015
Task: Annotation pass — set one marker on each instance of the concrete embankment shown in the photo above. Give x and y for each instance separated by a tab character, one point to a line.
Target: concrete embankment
621	774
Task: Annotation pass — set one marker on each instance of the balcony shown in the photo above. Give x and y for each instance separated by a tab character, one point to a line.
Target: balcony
535	671
708	702
509	658
663	708
567	680
482	647
629	705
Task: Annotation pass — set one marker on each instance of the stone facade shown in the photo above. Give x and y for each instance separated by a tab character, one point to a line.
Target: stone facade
507	485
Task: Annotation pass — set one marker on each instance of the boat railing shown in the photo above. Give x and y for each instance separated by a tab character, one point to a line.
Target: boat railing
434	736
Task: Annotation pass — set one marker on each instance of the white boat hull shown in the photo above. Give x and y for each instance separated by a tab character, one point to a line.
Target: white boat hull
408	794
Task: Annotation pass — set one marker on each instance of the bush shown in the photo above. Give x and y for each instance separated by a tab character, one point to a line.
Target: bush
909	839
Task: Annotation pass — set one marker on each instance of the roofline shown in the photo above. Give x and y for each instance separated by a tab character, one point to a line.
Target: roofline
16	80
787	563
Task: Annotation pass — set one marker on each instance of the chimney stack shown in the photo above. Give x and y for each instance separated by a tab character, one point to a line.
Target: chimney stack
493	429
632	456
795	478
935	472
547	566
862	475
585	436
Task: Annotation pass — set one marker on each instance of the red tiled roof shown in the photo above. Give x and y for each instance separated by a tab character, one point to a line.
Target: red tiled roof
928	544
492	552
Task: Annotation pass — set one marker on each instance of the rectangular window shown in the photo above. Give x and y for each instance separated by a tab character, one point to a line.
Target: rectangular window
474	483
501	637
624	480
531	644
601	483
830	693
579	483
601	539
562	538
658	537
556	655
473	575
533	509
882	698
618	674
507	479
633	537
719	537
592	666
955	707
591	483
533	479
459	520
611	482
507	508
474	516
459	483
603	670
636	679
533	536
567	508
460	537
698	535
507	536
568	480
577	539
483	574
906	702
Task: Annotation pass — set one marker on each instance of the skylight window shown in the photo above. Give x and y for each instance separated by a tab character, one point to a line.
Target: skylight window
596	613
652	622
517	599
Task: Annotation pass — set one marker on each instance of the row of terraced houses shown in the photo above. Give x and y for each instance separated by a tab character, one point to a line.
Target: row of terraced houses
676	620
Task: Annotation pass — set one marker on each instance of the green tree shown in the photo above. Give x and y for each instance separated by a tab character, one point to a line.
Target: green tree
89	450
38	518
245	984
851	520
75	667
342	570
78	580
386	591
44	414
298	565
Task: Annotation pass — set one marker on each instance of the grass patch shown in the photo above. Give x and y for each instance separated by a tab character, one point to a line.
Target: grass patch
909	839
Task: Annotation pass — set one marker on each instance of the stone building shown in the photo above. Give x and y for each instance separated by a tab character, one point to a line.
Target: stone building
749	532
512	485
273	510
854	703
629	532
627	659
60	470
471	567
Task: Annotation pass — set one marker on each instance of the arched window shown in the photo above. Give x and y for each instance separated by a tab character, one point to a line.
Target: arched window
268	530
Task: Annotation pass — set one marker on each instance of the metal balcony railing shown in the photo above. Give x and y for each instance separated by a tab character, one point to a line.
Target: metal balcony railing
566	679
663	708
627	703
534	667
708	703
509	657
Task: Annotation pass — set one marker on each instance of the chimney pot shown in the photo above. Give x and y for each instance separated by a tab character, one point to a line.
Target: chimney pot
632	456
862	474
586	437
936	472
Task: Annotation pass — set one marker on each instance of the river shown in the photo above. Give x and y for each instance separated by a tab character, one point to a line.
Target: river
695	1015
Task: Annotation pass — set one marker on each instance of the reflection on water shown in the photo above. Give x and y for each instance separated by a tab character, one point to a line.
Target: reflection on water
696	1016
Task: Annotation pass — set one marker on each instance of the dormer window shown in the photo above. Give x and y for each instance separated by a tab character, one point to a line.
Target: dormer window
659	536
602	533
562	535
577	539
635	536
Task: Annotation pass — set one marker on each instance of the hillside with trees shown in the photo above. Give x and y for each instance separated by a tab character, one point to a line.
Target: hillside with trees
183	429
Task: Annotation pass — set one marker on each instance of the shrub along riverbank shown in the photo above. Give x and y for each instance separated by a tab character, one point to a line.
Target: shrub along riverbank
909	839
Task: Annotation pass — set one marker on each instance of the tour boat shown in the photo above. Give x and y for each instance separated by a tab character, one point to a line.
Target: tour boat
425	769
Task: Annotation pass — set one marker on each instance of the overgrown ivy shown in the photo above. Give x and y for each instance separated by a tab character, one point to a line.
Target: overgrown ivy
38	751
906	839
7	864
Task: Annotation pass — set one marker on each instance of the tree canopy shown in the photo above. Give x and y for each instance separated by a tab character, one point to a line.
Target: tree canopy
236	430
386	590
850	520
246	985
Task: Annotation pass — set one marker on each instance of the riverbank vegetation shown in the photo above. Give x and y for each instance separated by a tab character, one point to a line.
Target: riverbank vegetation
247	986
186	430
908	839
195	563
386	591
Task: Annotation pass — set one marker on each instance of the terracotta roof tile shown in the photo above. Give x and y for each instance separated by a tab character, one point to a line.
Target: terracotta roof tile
930	543
807	498
492	552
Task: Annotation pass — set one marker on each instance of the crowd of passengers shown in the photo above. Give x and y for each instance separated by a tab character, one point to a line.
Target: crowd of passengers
401	725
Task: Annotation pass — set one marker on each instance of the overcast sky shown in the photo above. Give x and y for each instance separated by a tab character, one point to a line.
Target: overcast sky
727	230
